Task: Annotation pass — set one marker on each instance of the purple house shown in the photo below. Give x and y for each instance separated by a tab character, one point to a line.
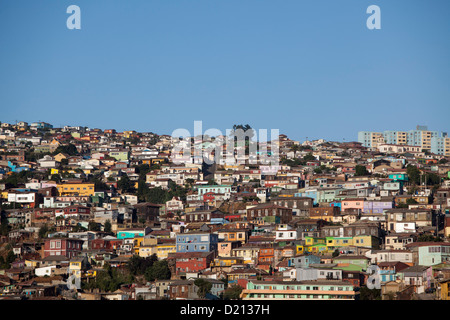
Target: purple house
377	206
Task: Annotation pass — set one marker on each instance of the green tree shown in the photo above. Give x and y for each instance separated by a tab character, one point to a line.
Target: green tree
204	287
4	225
233	292
69	149
293	162
10	257
125	184
361	170
318	170
309	157
138	265
56	178
413	174
93	226
43	230
107	227
158	271
369	294
109	279
428	238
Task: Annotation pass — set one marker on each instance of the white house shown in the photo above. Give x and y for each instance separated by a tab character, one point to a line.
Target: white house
286	233
44	271
175	204
48	162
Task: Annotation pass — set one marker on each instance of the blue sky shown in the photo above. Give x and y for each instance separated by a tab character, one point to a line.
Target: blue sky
309	68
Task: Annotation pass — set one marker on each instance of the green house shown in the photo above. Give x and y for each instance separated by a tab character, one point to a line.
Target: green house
351	262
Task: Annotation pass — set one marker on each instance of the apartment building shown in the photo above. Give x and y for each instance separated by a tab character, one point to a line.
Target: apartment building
299	290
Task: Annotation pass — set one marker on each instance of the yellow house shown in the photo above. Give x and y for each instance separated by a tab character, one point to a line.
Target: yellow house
31	263
79	189
163	250
334	242
366	241
309	241
129	134
445	293
233	235
75	266
54	171
299	249
146	251
447	231
189	209
54	144
143	242
226	261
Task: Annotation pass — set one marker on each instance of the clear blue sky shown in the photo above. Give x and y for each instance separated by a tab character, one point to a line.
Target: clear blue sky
309	68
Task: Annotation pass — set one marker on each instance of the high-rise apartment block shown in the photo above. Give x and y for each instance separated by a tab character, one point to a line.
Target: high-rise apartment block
433	141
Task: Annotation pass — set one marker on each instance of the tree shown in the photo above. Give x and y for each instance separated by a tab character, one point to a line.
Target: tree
4	225
109	279
212	182
413	174
125	184
56	178
204	287
369	294
10	257
43	231
293	162
69	149
107	227
309	157
158	271
428	238
361	170
318	170
93	226
233	292
137	265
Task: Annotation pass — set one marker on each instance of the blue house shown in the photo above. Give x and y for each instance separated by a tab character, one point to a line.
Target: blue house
308	194
197	242
402	177
15	168
132	233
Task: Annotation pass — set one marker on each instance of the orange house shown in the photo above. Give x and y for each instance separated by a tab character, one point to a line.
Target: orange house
266	258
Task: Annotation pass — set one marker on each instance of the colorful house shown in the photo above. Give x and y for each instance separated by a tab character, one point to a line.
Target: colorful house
197	242
299	290
78	189
351	262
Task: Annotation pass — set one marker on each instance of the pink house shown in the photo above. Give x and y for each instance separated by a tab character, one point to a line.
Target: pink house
353	203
